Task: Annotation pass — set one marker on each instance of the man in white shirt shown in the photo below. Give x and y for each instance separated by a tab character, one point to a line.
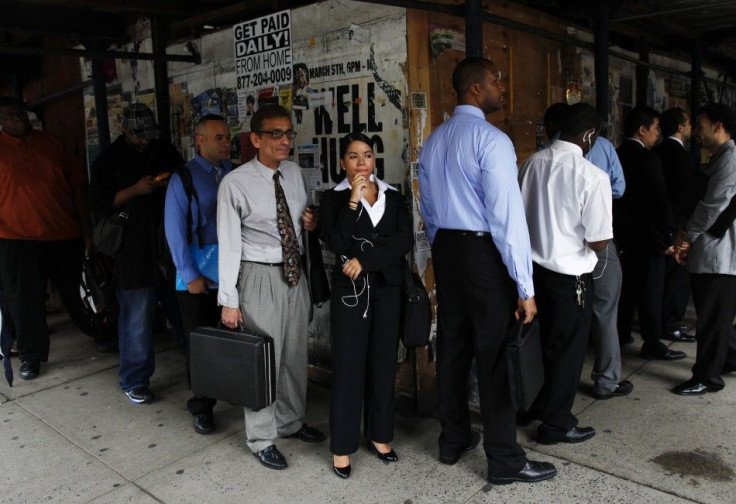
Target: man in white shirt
568	209
261	209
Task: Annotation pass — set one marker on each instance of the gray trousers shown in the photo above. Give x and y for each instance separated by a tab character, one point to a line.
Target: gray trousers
606	291
271	307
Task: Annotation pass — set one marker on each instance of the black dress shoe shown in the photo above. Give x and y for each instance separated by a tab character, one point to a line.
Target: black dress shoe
343	472
30	369
666	355
678	336
574	435
530	473
386	457
623	388
204	423
271	457
307	434
452	458
693	387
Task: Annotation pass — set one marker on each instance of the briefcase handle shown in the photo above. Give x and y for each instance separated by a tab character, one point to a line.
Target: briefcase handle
240	328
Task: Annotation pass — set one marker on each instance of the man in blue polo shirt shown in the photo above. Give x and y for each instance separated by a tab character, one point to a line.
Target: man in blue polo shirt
198	302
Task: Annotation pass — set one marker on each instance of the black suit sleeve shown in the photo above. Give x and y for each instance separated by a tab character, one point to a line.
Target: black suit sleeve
388	248
660	206
338	222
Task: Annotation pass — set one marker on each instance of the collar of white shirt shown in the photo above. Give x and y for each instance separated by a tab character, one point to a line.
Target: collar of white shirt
376	211
638	141
567	146
676	140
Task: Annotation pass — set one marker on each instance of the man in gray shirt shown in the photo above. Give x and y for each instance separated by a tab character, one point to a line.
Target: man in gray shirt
708	244
261	209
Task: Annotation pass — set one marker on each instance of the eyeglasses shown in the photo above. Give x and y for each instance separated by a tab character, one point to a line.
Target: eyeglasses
278	134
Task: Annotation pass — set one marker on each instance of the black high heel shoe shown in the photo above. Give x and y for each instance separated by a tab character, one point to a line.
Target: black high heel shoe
343	472
386	457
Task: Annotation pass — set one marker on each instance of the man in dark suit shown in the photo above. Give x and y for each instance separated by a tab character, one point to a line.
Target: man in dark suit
642	226
678	169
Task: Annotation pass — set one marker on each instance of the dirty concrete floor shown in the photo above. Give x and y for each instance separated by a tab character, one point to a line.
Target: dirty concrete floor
70	437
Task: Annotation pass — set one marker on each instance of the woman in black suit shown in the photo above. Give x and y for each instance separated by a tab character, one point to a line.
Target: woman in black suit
366	225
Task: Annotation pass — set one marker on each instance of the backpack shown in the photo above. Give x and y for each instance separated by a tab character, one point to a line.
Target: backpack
166	262
98	293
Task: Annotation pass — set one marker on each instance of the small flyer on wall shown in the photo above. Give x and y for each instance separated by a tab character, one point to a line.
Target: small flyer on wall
308	160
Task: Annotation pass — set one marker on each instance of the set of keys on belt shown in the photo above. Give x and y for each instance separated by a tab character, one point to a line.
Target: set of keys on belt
580	292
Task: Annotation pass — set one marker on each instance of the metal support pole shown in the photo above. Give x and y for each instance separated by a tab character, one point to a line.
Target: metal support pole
602	36
695	82
642	74
100	89
161	76
473	28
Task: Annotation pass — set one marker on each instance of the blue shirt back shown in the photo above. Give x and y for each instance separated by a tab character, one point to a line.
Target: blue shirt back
176	208
603	155
468	181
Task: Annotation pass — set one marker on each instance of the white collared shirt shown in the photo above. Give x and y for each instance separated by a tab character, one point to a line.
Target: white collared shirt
568	204
376	211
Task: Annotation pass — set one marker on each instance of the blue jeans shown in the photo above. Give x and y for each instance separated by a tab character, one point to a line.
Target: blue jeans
135	334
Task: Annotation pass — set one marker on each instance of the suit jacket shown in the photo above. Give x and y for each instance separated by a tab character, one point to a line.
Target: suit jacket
642	218
391	238
680	176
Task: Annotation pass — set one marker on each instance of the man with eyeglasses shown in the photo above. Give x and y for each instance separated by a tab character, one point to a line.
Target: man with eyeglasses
261	210
44	228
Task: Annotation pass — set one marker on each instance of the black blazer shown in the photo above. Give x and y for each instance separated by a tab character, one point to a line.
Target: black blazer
391	238
678	169
642	217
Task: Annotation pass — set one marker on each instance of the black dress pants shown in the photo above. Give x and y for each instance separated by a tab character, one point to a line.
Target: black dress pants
197	310
476	300
363	362
564	327
715	304
676	294
25	269
642	288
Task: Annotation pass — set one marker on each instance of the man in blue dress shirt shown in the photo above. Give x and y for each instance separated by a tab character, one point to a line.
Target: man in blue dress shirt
475	220
198	302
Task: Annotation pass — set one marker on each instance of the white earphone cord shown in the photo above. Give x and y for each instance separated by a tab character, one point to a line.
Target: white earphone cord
366	283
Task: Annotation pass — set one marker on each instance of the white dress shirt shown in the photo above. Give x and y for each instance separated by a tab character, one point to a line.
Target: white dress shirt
568	204
246	220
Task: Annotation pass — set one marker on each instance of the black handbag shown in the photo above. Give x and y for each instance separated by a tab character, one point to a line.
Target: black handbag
525	365
107	235
416	311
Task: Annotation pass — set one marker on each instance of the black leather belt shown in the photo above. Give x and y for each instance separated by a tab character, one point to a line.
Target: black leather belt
462	232
266	264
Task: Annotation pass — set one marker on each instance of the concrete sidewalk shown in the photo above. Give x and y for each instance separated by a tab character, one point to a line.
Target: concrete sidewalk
70	436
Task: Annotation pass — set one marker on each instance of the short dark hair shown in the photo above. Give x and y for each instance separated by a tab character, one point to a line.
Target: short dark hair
719	112
205	118
267	112
350	138
554	116
671	119
638	117
9	101
579	118
469	71
250	99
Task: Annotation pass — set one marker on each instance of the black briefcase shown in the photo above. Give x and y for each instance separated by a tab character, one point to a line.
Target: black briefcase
525	365
233	366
